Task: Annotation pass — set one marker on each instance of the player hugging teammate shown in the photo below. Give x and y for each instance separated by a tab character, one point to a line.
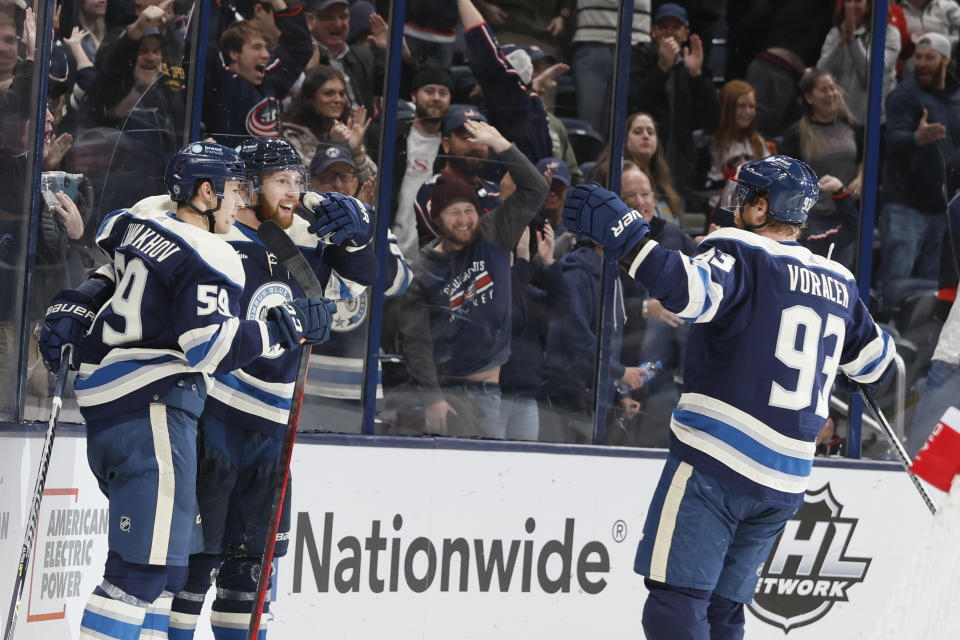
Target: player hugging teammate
196	322
761	358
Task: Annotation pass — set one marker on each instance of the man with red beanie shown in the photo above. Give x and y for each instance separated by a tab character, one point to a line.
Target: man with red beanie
455	317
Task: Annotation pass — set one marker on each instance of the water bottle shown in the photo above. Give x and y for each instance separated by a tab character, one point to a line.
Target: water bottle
652	367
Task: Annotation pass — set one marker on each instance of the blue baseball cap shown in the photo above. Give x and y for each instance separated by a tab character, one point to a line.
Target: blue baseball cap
671	10
558	169
333	154
455	117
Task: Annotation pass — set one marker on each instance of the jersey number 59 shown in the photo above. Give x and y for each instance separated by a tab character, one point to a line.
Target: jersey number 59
212	298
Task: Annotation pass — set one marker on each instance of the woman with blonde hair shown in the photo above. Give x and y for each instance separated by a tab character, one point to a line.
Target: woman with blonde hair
736	139
642	147
829	139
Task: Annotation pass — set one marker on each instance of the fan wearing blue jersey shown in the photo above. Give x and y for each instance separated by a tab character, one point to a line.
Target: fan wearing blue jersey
772	324
244	421
170	320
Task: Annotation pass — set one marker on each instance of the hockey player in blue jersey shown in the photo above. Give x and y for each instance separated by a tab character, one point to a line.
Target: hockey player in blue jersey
243	424
772	324
170	321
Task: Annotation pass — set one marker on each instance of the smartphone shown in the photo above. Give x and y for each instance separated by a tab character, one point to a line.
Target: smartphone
53	181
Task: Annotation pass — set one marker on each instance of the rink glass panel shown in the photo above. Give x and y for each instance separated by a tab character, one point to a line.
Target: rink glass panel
121	142
552	399
18	151
123	162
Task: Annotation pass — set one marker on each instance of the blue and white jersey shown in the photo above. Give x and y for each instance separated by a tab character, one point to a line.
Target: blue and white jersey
258	396
173	312
772	324
336	366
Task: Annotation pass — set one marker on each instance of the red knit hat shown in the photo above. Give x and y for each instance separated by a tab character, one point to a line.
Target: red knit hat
448	190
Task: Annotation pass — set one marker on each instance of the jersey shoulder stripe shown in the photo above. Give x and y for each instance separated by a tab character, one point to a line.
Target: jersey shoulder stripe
210	248
732	235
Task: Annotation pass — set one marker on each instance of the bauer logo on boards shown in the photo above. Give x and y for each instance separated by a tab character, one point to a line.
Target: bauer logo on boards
812	565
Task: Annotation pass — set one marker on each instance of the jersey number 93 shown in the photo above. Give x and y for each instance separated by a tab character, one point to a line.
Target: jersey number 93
804	359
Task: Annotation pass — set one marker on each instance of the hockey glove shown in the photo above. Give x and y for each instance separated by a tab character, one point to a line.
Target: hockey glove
602	216
301	321
65	323
844	384
340	219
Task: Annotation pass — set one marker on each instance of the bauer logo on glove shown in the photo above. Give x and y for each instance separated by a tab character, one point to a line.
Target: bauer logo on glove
603	217
627	218
64	325
71	308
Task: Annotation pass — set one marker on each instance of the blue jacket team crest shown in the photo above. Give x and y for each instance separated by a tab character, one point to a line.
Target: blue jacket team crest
268	295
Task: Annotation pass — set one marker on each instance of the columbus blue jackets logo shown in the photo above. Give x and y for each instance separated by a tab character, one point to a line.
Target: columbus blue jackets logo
471	293
351	312
263	120
271	294
810	567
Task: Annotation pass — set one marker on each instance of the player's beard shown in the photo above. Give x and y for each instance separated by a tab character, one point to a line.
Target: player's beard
278	215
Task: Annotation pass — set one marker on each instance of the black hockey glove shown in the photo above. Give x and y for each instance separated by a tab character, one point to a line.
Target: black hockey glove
301	321
65	323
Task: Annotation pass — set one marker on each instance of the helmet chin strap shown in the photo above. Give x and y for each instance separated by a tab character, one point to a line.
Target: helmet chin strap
211	220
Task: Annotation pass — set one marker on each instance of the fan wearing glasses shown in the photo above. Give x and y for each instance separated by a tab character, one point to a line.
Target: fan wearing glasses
334	169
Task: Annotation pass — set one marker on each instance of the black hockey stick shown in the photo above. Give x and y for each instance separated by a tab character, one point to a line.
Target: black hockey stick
898	447
28	537
280	244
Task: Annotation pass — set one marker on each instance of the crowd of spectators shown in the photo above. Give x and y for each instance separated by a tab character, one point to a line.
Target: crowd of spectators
504	105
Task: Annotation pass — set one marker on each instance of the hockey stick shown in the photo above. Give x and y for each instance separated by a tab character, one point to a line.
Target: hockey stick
280	244
28	537
898	447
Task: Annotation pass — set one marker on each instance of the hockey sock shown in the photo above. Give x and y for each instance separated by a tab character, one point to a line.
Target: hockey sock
184	615
157	620
726	619
230	617
675	613
188	602
111	613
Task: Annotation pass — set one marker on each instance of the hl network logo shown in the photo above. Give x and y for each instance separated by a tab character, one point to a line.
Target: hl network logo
808	569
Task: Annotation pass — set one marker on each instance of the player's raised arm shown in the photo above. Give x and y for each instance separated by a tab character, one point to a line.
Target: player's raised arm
691	287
